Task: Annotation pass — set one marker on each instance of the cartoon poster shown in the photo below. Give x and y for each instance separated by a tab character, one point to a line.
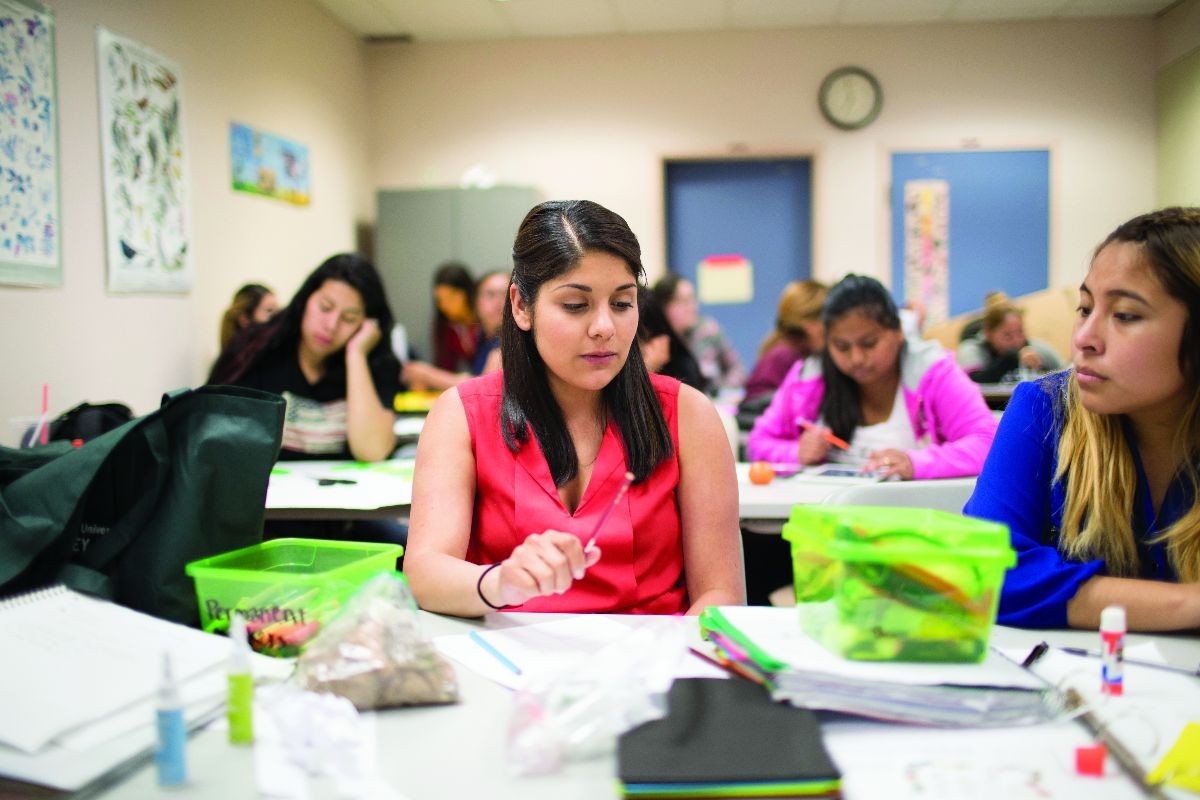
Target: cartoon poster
145	168
268	165
927	247
30	232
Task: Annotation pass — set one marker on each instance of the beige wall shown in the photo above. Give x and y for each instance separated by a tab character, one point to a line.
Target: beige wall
280	65
1178	103
595	116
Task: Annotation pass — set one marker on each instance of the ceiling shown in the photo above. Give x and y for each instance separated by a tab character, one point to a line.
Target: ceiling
448	20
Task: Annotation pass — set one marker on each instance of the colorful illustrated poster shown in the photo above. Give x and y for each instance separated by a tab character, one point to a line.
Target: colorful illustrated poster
145	168
927	247
30	234
268	165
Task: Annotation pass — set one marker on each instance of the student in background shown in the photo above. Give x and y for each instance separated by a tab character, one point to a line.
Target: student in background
455	327
253	304
719	361
663	350
544	444
905	403
490	295
320	353
798	334
1095	469
1001	351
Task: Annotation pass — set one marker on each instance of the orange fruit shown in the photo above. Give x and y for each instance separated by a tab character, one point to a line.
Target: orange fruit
761	473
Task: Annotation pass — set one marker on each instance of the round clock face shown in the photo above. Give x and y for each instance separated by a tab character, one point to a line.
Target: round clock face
850	98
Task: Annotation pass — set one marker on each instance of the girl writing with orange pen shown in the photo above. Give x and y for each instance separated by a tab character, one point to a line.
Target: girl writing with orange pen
902	403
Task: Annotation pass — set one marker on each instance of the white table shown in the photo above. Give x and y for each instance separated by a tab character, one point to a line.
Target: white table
339	490
457	751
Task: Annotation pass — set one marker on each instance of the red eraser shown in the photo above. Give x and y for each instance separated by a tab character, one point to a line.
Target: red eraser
1090	760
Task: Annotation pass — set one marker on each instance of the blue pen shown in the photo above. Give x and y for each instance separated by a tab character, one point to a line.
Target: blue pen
491	648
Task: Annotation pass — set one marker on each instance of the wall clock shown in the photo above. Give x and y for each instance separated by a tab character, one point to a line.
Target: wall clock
850	98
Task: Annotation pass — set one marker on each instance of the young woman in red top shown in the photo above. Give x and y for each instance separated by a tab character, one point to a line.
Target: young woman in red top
515	469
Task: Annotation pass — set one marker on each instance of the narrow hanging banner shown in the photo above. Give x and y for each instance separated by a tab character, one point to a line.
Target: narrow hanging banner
927	247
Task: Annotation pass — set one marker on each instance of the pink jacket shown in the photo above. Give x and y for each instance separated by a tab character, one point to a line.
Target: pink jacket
941	400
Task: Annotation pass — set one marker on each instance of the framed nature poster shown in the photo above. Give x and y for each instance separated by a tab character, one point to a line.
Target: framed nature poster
30	233
145	168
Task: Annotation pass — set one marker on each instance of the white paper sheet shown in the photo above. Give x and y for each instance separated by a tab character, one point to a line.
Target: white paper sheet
298	484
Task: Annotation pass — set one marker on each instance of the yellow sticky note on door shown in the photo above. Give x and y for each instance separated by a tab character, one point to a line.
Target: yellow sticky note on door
1181	765
725	279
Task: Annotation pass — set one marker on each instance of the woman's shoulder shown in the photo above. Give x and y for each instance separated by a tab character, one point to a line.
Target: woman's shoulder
664	386
489	385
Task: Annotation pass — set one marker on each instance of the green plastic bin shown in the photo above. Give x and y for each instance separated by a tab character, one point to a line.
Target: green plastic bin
285	588
906	584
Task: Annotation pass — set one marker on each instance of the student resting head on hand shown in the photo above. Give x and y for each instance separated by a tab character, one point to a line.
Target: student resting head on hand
320	353
1094	469
905	405
516	468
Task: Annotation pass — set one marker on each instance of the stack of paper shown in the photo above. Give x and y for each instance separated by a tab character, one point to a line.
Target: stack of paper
771	644
78	683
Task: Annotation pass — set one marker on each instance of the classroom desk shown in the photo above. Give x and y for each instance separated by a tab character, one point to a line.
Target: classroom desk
457	751
382	490
997	395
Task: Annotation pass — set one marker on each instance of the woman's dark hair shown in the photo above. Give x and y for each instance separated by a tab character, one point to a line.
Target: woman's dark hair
551	241
244	304
664	288
652	322
282	333
841	407
455	275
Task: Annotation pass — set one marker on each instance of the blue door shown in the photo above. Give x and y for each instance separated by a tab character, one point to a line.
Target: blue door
999	221
758	209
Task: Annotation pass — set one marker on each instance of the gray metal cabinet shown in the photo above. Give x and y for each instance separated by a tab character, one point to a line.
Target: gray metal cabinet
416	230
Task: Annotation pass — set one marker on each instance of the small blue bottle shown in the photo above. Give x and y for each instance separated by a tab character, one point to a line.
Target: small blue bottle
171	756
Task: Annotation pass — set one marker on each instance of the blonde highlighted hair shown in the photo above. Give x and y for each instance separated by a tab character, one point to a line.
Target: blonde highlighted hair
1095	462
800	302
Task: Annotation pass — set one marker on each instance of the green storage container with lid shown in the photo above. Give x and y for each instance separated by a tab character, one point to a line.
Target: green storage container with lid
905	584
285	588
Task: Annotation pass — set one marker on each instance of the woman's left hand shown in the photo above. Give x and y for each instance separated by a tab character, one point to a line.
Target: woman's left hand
890	463
365	338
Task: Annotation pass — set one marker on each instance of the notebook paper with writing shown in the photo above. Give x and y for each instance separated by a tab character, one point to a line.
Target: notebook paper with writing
724	738
71	659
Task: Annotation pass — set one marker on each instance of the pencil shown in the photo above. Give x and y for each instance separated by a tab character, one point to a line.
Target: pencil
824	433
1079	651
1125	759
625	484
491	648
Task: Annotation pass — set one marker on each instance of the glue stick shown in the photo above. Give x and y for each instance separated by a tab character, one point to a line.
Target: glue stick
1112	650
239	706
171	756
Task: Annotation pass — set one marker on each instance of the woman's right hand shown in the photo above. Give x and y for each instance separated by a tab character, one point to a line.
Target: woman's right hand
544	564
813	447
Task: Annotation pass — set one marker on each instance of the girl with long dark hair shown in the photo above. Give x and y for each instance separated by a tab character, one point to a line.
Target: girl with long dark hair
516	469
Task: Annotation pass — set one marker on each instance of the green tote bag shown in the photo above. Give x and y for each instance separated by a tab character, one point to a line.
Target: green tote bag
120	516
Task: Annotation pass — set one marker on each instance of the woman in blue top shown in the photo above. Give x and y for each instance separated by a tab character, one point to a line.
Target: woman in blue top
1095	469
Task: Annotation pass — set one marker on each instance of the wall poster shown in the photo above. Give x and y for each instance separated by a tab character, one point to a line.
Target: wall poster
268	165
145	168
30	227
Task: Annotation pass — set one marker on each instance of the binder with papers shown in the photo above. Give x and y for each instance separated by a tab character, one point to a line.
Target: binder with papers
772	643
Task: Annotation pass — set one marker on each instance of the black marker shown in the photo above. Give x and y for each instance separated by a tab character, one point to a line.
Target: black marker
334	481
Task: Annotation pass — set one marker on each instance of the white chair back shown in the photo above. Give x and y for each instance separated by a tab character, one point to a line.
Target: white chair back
949	494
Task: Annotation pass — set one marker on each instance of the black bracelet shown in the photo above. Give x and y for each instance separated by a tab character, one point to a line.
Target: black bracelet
479	589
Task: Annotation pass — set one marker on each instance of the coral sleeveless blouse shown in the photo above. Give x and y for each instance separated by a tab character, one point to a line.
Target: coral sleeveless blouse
641	565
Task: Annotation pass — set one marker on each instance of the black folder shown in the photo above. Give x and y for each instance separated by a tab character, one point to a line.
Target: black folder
722	735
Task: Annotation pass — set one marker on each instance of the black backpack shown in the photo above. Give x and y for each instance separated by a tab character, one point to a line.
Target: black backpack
85	422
